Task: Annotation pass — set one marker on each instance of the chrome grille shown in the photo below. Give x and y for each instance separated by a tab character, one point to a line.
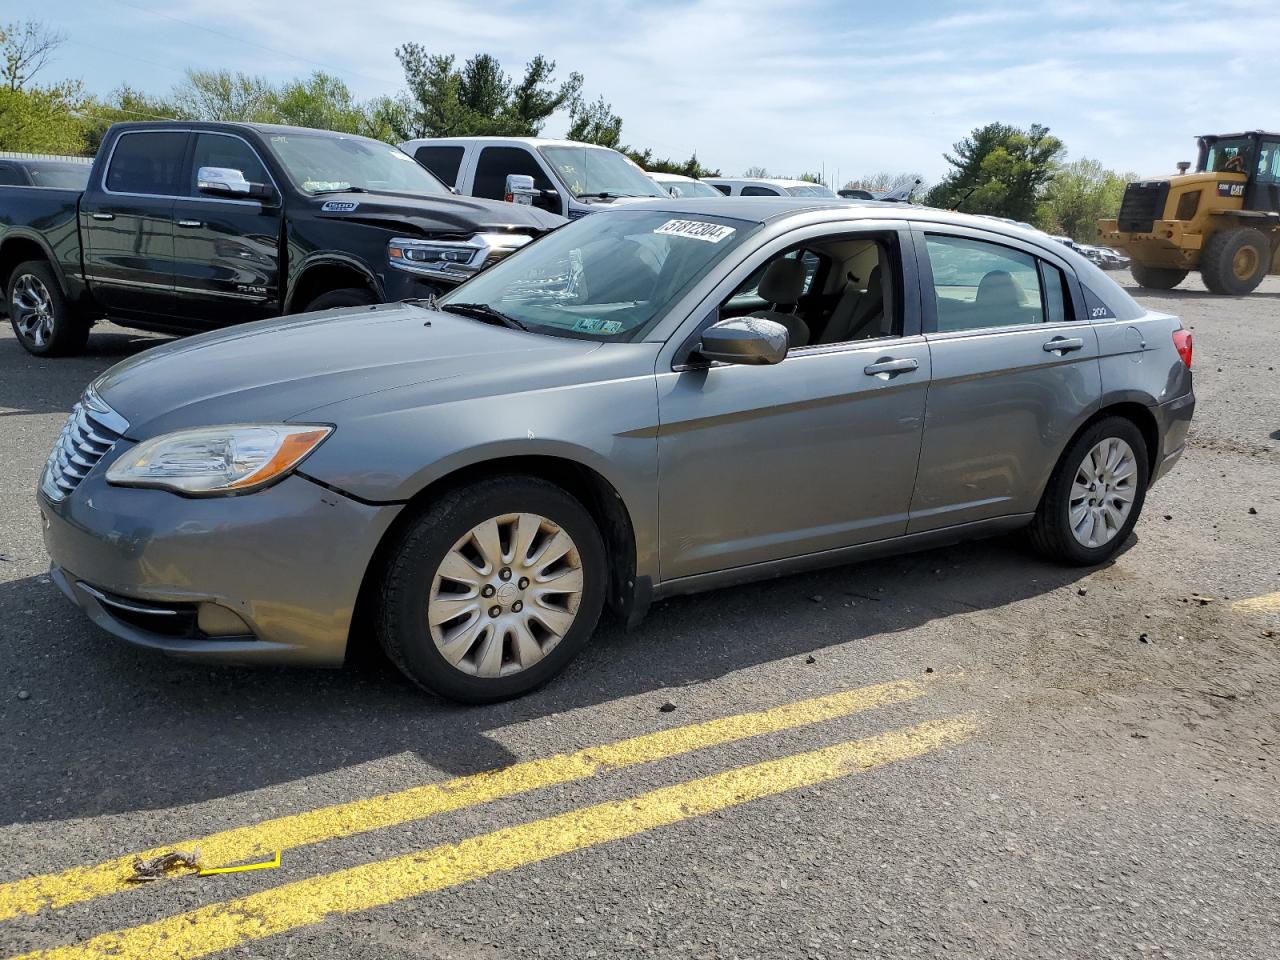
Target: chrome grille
90	431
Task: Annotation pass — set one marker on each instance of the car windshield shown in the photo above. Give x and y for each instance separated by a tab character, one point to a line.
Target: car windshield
690	188
811	190
599	172
69	176
607	277
329	163
1229	156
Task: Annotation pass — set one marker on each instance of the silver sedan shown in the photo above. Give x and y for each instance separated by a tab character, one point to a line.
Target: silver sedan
656	400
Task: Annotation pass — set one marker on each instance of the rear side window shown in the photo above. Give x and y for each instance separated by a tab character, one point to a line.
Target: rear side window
980	284
148	163
723	188
497	162
442	161
217	150
753	191
1057	303
10	177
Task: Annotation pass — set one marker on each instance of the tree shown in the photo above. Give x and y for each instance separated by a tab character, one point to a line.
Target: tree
26	48
123	104
595	123
1079	195
480	99
688	168
43	119
757	172
999	170
321	101
813	178
888	182
223	95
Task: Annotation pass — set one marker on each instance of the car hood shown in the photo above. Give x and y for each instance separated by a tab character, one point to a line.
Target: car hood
280	369
445	214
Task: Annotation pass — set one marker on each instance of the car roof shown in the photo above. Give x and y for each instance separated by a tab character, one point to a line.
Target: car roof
530	141
774	181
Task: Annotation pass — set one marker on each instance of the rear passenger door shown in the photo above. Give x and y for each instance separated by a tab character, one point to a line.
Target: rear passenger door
126	220
1015	369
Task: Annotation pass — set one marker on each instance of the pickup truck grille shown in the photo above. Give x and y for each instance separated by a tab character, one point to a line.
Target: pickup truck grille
90	431
1143	204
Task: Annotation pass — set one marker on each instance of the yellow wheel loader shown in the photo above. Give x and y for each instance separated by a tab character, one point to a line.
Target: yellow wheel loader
1223	220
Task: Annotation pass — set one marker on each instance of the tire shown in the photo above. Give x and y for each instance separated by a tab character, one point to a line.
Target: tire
43	320
345	297
1234	262
415	590
1051	532
1157	278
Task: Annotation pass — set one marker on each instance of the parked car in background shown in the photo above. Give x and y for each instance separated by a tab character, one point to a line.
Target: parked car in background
769	187
35	170
852	193
570	179
1104	257
820	382
191	226
683	187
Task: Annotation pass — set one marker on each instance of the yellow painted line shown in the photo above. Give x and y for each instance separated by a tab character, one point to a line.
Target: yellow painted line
224	926
77	884
1267	603
242	868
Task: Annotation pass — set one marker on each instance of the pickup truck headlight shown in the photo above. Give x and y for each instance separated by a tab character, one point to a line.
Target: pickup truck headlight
452	259
236	458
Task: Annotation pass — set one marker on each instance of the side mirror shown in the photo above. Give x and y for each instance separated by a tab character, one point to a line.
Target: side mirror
228	182
746	340
520	188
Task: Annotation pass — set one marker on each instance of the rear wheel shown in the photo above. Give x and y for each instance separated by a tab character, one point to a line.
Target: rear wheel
1095	495
1234	262
491	591
1157	278
42	318
345	297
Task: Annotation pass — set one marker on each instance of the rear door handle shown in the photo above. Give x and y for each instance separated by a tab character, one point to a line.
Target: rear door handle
191	223
104	216
888	367
1061	345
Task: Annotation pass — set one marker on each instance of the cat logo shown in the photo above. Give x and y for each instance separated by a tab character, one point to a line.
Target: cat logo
1231	189
339	206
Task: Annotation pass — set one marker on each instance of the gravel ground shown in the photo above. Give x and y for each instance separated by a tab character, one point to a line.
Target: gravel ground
1118	799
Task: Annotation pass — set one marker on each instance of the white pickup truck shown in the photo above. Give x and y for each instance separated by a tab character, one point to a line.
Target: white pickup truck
569	178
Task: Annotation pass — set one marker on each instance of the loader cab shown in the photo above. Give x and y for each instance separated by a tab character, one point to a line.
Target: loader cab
1256	155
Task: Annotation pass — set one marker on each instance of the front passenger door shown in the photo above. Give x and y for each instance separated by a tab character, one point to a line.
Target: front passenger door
1015	370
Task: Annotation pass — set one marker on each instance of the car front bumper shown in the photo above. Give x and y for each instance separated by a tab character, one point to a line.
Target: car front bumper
288	561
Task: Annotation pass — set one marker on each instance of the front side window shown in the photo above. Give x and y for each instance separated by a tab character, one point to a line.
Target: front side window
218	150
11	176
148	163
690	188
321	164
495	163
599	172
979	284
751	190
1230	156
604	277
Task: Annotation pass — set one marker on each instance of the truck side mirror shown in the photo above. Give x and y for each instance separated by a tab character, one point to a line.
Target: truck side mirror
228	182
520	188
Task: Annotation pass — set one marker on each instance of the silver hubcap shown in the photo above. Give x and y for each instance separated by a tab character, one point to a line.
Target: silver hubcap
1103	491
32	310
505	594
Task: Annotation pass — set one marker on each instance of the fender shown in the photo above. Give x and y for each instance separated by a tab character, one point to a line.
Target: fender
326	258
73	287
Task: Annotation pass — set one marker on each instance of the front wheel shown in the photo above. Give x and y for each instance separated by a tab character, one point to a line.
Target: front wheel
344	297
1095	495
1234	262
491	591
42	318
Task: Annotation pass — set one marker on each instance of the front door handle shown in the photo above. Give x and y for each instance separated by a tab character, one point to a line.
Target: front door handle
104	216
1062	345
888	367
191	223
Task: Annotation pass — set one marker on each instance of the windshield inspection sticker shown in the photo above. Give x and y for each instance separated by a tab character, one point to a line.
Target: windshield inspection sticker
696	230
596	325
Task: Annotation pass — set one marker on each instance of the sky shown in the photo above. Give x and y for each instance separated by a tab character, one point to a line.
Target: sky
847	88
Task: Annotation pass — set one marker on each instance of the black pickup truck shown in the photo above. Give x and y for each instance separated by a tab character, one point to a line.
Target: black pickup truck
191	226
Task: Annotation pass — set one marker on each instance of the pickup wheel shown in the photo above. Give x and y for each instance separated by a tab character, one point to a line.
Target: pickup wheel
1157	278
44	321
344	297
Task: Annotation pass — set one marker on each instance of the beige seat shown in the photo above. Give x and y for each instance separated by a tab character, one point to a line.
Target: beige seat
782	285
856	312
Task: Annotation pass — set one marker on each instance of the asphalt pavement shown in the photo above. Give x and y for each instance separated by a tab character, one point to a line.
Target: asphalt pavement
963	753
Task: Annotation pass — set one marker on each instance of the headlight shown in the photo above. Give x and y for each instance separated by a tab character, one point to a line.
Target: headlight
452	259
218	460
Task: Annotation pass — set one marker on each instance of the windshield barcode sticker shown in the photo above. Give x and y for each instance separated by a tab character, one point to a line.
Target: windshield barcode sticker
696	230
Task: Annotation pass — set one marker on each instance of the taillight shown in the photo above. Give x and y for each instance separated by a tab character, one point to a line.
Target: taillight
1182	343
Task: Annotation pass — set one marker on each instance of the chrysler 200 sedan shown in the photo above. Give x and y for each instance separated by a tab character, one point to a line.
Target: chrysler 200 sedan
652	401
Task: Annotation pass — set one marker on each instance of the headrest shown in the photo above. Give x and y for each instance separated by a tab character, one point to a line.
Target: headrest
999	289
783	282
